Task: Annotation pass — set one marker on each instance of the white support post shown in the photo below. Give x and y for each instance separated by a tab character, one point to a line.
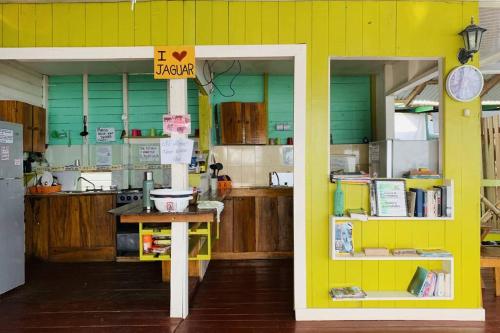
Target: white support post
179	287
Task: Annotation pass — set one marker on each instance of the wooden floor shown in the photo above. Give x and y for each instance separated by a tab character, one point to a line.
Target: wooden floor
236	296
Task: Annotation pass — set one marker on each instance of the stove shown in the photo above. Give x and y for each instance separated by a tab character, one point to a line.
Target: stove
127	196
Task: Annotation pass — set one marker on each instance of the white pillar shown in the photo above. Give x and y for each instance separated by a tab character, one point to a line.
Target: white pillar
179	287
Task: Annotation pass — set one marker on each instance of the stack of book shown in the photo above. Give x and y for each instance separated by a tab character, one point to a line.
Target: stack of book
161	244
376	251
351	178
434	253
347	292
435	202
427	283
422	173
404	252
358	214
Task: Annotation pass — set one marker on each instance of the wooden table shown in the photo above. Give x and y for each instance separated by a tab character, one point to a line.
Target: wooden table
490	258
135	213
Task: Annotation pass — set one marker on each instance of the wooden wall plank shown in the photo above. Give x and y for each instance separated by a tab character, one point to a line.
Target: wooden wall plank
371	28
10	24
286	22
203	23
126	35
253	23
43	34
387	27
110	24
142	23
61	19
189	22
269	23
237	22
1	24
354	28
337	18
76	25
175	12
220	22
93	24
159	23
27	25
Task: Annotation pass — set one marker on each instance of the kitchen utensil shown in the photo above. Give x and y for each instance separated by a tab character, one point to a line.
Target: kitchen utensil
47	179
69	138
84	132
213	167
123	134
218	167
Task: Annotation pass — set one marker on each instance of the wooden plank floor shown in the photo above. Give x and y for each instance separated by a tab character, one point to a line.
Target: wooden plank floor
236	296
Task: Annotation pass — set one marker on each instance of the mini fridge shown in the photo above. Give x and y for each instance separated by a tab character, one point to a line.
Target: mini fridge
11	207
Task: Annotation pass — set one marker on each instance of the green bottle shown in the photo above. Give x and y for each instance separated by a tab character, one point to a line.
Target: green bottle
338	200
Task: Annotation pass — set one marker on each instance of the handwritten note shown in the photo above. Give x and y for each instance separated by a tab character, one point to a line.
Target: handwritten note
105	134
180	124
6	136
149	153
176	151
103	156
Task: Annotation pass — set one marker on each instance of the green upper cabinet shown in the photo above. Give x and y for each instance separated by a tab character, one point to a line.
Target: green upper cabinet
350	109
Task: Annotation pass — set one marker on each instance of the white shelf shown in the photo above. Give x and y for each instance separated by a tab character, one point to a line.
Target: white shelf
392	258
391	296
394	218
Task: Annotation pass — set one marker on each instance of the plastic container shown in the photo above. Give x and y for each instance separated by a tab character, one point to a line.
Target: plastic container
167	200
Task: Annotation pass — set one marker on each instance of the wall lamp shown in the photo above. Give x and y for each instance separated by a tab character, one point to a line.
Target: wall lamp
472	36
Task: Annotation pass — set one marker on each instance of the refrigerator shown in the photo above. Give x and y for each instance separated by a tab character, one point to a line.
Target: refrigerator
11	207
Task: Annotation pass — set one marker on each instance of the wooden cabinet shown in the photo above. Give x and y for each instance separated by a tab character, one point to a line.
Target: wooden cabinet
243	123
256	224
33	119
71	227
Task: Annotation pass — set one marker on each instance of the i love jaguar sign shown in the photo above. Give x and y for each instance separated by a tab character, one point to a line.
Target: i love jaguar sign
174	62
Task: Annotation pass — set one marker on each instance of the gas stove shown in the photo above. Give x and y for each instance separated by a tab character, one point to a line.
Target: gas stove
128	195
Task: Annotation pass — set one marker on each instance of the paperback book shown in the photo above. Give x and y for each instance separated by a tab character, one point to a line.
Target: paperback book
347	292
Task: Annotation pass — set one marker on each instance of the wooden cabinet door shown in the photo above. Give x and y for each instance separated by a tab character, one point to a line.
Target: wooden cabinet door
267	225
36	217
99	229
231	115
39	129
255	123
244	224
27	112
285	222
65	215
225	241
10	112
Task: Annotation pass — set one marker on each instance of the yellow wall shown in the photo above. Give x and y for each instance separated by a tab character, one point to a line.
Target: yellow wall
330	28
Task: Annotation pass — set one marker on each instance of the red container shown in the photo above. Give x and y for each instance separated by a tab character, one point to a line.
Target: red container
136	132
289	141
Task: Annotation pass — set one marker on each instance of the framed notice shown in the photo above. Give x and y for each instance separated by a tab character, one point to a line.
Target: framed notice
390	197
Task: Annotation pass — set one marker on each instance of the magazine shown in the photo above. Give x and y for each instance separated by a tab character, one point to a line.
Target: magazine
343	238
347	292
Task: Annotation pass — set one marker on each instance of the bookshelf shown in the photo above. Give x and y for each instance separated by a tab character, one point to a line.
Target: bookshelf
392	295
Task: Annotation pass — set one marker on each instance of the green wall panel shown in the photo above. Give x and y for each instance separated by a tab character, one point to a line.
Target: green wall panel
350	112
65	108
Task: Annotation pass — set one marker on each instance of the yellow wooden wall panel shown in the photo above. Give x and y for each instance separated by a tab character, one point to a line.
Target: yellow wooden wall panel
371	28
237	22
270	15
159	23
27	25
220	19
93	24
253	23
387	28
354	28
43	33
337	12
189	22
10	25
1	24
175	12
76	28
203	23
60	20
286	22
110	24
125	25
142	24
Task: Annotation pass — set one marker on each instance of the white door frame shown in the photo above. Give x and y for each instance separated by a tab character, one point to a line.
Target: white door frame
295	52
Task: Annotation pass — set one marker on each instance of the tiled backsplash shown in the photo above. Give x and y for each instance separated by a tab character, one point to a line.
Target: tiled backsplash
251	165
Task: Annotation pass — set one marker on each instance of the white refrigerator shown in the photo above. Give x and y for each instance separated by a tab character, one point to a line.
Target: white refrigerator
11	207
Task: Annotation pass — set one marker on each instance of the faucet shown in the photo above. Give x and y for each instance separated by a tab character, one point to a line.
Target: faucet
88	181
277	178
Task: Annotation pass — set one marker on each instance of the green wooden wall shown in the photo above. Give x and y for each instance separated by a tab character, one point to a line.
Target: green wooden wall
350	111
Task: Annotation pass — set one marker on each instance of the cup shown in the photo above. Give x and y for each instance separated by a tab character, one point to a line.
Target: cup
152	132
289	141
136	132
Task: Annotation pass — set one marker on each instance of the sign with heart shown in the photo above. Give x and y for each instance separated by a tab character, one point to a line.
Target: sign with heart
174	62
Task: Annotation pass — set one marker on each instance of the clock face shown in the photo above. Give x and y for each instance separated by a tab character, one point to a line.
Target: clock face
464	83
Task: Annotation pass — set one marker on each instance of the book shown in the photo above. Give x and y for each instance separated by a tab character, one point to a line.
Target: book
449	200
347	292
433	253
376	251
440	290
429	285
419	202
411	197
373	203
358	214
447	284
404	252
343	238
417	282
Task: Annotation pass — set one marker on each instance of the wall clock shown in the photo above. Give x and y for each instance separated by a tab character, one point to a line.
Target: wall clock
464	83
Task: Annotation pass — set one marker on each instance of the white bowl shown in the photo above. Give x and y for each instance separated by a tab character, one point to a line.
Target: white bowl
169	193
168	205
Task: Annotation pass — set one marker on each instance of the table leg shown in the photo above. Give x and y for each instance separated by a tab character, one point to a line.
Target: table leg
179	278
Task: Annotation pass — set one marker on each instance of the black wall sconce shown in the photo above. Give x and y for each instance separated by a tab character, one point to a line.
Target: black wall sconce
472	36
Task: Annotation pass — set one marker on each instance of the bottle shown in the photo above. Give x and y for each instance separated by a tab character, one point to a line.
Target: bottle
147	186
338	200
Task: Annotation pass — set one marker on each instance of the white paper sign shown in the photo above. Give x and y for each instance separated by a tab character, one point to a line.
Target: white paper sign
6	135
149	153
176	151
4	153
105	134
287	156
103	155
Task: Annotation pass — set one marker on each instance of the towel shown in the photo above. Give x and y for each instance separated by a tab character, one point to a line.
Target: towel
212	205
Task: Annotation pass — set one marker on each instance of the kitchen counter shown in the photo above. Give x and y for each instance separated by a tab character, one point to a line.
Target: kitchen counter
72	193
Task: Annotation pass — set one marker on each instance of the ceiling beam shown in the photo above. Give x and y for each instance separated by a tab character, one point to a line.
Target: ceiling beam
415	92
431	74
490	83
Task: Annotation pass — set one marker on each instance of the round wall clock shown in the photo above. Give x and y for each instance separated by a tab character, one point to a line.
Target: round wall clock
464	83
